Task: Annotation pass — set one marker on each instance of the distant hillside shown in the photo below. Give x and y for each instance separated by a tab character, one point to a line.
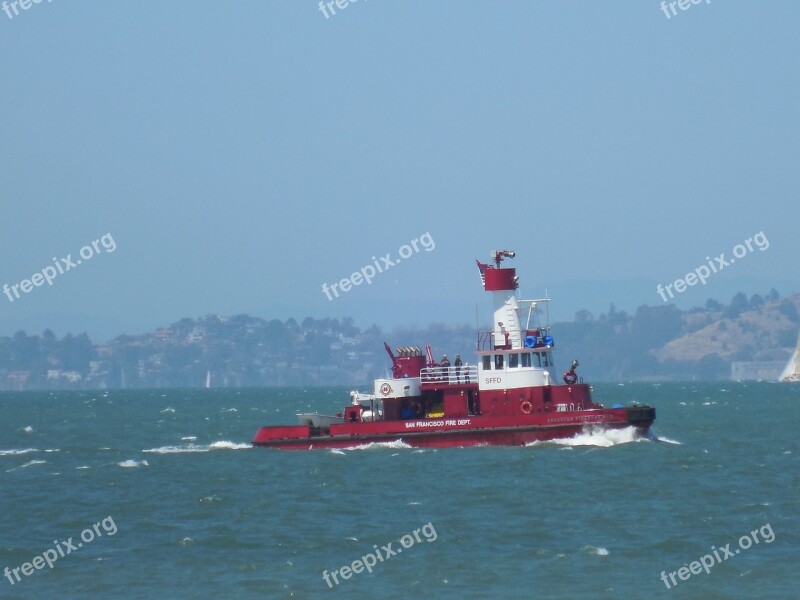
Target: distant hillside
765	332
656	343
665	343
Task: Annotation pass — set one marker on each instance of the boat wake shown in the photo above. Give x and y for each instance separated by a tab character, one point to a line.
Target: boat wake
195	448
225	445
603	438
395	445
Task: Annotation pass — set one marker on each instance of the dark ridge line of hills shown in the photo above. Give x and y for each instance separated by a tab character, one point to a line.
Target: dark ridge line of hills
656	343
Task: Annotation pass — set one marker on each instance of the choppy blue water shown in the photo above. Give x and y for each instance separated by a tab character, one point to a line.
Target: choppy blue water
196	512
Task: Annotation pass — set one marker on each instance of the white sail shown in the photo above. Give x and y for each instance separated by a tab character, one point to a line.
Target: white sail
792	370
208	379
789	367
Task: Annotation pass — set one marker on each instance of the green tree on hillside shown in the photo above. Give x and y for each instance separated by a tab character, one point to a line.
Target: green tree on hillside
737	306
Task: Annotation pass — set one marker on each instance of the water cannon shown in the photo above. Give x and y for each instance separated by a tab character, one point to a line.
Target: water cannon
571	377
499	255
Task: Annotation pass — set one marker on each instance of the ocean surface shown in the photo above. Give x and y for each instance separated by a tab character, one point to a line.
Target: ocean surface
167	499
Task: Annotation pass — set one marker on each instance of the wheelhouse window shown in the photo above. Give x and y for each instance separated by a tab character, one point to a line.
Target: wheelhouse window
537	359
487	363
546	359
513	361
498	362
526	359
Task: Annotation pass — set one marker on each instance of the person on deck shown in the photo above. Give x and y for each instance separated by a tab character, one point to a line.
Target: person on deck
416	407
445	365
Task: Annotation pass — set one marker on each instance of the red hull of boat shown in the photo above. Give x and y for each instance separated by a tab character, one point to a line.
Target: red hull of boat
461	432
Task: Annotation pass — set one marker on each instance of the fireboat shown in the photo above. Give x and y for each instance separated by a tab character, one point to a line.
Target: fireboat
508	398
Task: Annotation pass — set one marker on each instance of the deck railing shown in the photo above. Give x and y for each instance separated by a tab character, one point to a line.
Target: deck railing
540	342
450	375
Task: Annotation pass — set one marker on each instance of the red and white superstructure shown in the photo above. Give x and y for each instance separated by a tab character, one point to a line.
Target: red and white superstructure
510	397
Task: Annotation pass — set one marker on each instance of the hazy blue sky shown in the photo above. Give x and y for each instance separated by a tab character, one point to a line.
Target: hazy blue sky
243	154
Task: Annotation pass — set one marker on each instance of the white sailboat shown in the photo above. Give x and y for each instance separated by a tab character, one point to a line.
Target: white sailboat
208	380
792	371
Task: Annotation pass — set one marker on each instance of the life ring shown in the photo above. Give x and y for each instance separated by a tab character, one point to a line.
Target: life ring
570	377
526	407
